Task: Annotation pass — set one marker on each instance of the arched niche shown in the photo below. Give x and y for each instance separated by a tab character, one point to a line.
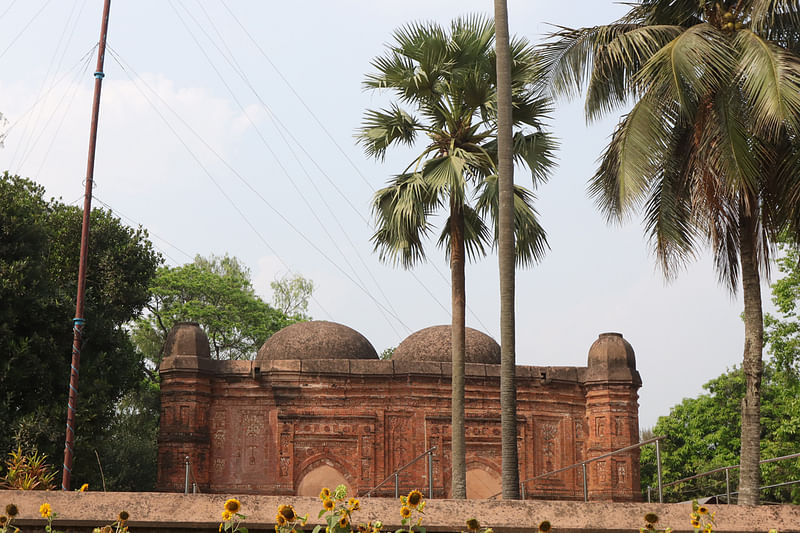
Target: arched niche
321	476
481	484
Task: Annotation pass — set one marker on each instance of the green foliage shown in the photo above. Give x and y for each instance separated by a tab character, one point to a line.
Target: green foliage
387	353
39	250
25	471
217	293
290	295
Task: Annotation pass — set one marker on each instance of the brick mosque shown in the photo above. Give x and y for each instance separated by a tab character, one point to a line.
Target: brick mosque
317	407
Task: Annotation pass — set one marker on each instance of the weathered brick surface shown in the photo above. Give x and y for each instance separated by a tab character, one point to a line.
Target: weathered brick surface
261	427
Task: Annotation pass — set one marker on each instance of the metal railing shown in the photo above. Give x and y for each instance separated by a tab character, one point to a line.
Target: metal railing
396	475
727	470
190	473
582	464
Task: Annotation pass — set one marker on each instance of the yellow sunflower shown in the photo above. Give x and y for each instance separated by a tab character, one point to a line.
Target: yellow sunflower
288	512
702	509
226	515
545	526
343	521
233	505
405	512
325	493
3	520
473	524
84	487
651	518
695	523
12	511
45	510
354	504
328	504
708	529
280	519
414	497
123	516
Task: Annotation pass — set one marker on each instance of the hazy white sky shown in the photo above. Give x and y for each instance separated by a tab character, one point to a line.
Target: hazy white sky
217	143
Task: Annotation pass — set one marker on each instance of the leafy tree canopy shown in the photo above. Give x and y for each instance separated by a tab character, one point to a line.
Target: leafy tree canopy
39	251
290	295
217	293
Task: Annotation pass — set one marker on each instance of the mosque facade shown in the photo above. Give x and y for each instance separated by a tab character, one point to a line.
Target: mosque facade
317	407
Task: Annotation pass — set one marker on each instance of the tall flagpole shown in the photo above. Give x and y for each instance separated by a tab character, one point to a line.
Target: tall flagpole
78	322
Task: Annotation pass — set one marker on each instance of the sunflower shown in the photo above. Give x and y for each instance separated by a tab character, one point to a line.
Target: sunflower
545	526
343	521
45	510
414	497
702	509
3	520
226	515
695	522
651	518
280	519
233	505
288	512
473	524
405	512
708	529
328	504
84	487
354	504
12	511
123	516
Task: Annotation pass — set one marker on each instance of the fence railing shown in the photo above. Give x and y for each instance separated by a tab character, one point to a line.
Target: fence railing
396	475
582	465
727	470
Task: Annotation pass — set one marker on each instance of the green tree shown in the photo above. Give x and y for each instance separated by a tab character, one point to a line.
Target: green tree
217	293
709	149
290	295
447	81
39	249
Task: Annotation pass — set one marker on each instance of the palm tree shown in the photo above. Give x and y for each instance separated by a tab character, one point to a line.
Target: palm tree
709	150
447	81
505	253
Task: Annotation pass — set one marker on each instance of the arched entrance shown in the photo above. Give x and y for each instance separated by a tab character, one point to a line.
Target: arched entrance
482	484
321	476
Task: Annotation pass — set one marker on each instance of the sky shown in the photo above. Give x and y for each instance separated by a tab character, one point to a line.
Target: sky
228	127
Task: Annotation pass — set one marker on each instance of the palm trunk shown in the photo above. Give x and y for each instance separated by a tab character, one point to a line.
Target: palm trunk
457	343
506	257
750	473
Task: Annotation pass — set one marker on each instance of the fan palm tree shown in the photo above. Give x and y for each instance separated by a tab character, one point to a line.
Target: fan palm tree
444	83
505	253
709	150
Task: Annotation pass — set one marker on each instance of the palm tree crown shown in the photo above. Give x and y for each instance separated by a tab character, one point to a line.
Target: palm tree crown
709	150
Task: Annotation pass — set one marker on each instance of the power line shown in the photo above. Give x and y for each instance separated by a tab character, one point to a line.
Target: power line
24	28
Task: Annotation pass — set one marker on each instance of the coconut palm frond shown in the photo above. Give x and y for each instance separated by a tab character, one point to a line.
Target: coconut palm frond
697	62
767	16
769	77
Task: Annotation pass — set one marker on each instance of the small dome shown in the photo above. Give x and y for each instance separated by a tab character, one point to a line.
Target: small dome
433	344
317	339
187	339
611	358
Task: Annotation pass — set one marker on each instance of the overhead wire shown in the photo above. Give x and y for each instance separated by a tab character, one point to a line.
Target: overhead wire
24	28
10	5
340	149
130	72
300	193
24	143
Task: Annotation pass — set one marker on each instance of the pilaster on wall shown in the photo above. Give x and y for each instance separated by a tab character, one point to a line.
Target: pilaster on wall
612	419
185	403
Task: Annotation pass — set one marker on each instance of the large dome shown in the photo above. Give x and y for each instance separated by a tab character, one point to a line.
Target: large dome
317	339
433	344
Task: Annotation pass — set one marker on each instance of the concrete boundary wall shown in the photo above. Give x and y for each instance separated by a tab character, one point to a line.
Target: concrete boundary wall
173	513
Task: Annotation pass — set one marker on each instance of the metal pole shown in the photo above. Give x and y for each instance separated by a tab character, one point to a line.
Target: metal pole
194	488
649	489
522	490
658	463
396	485
78	322
585	484
728	486
430	474
186	482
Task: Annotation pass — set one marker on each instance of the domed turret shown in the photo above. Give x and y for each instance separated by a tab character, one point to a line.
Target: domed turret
187	339
317	339
433	344
611	359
